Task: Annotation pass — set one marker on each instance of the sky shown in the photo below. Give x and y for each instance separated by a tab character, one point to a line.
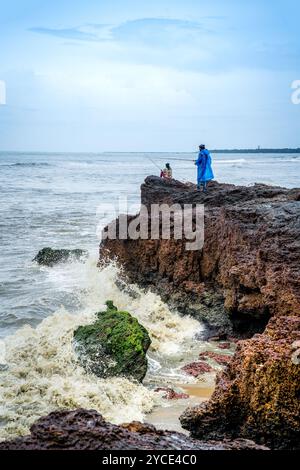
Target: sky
167	75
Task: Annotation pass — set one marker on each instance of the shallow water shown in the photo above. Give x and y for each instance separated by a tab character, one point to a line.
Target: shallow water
166	416
52	200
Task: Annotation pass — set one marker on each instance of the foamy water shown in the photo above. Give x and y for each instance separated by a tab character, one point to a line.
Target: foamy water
43	374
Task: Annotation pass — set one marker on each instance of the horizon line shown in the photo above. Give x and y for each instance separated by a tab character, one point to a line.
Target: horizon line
221	150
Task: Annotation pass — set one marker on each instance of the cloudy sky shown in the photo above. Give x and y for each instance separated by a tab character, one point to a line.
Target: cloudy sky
123	75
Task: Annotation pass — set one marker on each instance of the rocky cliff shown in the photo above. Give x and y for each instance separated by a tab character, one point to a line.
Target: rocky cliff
245	277
248	269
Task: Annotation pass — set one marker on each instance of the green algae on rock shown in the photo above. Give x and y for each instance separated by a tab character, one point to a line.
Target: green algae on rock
49	257
114	345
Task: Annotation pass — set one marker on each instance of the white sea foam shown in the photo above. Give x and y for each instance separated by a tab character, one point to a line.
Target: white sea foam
43	374
229	162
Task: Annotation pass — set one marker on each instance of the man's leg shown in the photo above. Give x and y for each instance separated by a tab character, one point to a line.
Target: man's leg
204	186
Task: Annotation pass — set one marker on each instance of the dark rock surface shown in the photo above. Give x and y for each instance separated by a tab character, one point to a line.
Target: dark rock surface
50	257
114	345
87	430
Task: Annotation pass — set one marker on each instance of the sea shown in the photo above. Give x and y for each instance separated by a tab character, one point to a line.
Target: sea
56	200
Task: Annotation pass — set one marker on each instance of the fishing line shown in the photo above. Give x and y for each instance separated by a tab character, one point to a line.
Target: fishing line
153	163
176	159
181	159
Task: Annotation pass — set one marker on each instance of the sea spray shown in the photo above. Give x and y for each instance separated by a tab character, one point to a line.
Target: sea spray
168	330
43	375
42	371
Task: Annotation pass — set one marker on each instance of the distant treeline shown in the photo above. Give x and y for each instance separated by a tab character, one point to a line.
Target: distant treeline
285	150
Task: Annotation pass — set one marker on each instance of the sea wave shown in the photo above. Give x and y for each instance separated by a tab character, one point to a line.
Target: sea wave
43	374
26	164
230	162
31	164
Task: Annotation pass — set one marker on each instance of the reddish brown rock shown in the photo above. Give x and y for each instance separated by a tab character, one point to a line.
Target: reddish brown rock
219	337
221	359
248	269
224	345
197	368
171	394
258	393
87	430
233	339
247	274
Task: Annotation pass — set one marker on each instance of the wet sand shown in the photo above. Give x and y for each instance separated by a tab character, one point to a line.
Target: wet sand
167	416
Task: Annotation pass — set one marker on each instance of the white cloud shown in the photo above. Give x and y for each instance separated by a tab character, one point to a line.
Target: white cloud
154	31
208	44
158	41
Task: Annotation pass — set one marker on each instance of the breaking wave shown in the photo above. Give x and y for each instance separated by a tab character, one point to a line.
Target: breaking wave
30	164
39	371
26	164
230	162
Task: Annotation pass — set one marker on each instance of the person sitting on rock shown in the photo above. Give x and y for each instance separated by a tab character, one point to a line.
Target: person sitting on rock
166	172
204	170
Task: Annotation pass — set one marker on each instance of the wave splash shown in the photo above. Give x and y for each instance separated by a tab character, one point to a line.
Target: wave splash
42	373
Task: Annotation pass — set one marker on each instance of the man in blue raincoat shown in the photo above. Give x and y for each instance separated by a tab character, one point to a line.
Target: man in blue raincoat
204	169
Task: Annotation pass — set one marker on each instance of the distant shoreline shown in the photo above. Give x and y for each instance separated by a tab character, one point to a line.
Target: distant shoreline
284	150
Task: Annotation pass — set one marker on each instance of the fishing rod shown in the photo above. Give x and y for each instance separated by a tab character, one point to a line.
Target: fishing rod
160	169
181	159
149	158
176	159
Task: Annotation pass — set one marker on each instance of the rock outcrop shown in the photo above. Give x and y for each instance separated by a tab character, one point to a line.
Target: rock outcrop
245	277
87	430
114	345
248	269
222	359
258	394
197	368
50	257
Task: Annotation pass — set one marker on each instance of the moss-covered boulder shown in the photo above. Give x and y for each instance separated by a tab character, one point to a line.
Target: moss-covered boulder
49	257
114	345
